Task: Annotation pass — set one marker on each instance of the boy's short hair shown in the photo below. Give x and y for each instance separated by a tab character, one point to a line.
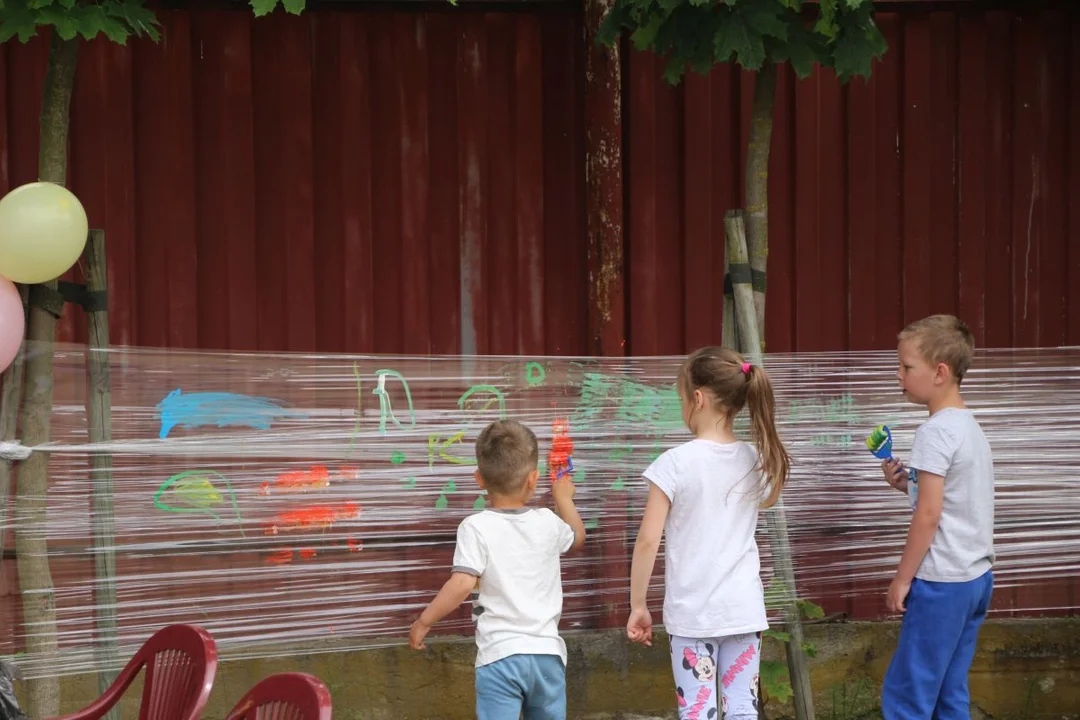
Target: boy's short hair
943	339
506	452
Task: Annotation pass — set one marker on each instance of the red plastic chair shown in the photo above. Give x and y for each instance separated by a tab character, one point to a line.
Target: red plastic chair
181	661
287	696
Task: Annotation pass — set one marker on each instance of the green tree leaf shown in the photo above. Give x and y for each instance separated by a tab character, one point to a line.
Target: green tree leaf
294	7
777	635
809	610
645	35
262	7
736	38
768	19
859	43
775	680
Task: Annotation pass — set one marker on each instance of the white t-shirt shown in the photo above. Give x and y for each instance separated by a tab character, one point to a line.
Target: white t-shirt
951	444
515	553
712	583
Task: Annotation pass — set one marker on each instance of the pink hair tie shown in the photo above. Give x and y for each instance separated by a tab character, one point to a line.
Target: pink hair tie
746	368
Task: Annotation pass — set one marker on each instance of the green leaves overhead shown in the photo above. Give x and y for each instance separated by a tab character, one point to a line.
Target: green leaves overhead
840	34
262	7
116	19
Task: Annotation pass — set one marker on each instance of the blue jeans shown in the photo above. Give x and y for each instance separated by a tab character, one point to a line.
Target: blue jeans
928	676
531	684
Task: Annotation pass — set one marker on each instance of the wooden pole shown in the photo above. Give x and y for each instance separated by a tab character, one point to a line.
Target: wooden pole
99	413
775	517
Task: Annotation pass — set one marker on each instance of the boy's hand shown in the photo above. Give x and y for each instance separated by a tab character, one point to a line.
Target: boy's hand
898	592
417	633
639	627
563	489
895	474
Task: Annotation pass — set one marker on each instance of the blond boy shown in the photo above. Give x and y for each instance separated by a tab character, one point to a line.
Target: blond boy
944	582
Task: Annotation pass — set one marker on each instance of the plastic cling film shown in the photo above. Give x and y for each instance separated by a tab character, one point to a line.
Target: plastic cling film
309	503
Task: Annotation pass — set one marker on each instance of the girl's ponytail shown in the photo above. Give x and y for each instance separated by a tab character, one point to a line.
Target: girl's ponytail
775	461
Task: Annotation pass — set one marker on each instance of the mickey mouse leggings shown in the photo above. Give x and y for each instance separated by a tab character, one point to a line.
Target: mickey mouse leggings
700	664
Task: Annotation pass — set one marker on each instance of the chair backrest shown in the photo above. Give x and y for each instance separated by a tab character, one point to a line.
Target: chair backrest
181	662
286	696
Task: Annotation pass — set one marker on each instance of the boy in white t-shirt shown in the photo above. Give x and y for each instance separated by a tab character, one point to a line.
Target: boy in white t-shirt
944	582
514	550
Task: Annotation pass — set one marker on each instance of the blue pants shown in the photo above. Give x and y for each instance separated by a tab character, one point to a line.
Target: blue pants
928	676
531	684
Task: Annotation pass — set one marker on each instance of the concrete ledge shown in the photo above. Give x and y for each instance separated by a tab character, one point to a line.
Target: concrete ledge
1024	669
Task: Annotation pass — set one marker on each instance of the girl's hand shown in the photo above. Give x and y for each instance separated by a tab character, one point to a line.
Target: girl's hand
639	627
895	474
417	633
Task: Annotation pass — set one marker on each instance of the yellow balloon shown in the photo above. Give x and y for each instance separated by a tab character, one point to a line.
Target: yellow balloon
43	230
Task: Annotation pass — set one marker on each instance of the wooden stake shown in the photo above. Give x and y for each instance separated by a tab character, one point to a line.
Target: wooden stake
99	415
775	517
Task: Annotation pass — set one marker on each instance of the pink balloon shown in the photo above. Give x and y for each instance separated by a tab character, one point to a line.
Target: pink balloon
12	322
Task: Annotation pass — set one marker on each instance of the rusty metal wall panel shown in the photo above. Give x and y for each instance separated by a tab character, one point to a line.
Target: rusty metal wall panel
950	182
345	181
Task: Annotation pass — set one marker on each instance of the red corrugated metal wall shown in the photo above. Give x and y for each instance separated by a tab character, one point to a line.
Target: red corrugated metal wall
413	182
948	183
262	186
363	180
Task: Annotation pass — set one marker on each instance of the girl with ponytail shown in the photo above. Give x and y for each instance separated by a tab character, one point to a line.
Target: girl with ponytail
704	499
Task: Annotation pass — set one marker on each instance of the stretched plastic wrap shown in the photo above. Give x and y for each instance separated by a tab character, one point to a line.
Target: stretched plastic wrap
300	504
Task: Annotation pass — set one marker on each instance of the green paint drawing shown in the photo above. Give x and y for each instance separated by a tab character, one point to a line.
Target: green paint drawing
468	402
480	503
497	394
193	491
409	483
438	446
534	374
592	524
397	457
618	484
449	487
386	409
441	502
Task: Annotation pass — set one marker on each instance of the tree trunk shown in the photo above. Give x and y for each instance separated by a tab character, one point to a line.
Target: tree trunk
757	185
775	517
31	537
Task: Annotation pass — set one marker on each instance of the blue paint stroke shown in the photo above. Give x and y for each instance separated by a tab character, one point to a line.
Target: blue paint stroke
192	410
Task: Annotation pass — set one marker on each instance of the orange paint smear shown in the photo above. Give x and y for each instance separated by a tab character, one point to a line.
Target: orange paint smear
321	518
281	557
562	448
317	478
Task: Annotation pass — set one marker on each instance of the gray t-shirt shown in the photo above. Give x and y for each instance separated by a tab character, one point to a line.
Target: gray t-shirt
951	444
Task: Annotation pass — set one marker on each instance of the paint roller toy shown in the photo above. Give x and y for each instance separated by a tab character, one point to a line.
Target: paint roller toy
879	443
560	459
